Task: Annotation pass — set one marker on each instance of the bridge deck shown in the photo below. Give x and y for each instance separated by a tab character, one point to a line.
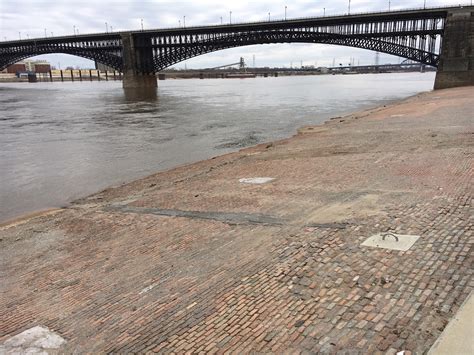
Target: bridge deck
362	17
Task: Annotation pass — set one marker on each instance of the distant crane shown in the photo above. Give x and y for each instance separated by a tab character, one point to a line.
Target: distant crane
240	63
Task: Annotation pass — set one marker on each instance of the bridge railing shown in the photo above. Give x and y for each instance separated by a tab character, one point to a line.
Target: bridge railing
237	24
282	20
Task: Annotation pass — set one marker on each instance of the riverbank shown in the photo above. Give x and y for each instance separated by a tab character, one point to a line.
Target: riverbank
91	136
196	259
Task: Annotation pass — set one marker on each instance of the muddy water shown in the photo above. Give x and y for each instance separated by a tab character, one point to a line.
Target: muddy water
62	141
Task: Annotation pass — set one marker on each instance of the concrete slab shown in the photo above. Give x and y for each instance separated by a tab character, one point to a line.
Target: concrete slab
458	337
391	241
36	340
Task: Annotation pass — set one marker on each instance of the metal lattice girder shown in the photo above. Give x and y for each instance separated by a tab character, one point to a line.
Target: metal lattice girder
412	34
107	51
385	45
412	37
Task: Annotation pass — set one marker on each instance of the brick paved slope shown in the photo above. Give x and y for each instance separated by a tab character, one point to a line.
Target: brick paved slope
192	260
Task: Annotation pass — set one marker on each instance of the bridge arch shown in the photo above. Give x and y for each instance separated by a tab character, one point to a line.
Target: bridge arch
111	59
411	34
388	45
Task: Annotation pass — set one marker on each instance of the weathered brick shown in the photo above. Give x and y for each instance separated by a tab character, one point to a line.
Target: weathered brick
112	280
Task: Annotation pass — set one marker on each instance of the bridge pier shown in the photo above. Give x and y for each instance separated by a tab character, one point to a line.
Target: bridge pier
133	80
139	77
456	64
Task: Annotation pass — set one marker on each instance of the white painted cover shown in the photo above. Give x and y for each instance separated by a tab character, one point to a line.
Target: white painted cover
256	180
405	241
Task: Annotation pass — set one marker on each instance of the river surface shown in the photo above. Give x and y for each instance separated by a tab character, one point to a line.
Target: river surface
62	141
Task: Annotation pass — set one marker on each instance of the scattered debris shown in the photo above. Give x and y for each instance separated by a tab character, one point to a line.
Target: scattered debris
385	280
299	323
191	305
146	289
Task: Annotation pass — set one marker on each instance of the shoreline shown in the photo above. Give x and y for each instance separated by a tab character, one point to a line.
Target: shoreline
212	140
24	217
197	74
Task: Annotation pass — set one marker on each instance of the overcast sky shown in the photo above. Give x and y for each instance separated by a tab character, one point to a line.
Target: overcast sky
30	18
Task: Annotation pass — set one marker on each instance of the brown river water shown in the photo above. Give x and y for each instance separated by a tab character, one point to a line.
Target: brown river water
62	141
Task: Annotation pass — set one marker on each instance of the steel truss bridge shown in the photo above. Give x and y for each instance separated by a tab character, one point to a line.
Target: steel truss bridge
411	34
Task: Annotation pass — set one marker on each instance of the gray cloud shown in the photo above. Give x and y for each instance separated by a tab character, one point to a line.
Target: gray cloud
31	18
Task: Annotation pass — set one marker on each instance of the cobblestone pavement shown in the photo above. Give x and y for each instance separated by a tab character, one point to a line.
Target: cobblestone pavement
192	260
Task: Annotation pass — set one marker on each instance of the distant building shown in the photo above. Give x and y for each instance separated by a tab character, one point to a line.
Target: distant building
17	67
36	66
29	65
42	68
